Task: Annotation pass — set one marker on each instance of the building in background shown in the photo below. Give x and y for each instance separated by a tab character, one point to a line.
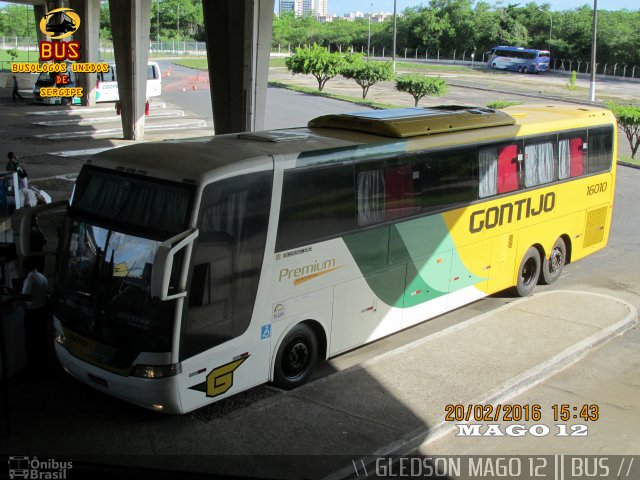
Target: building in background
316	8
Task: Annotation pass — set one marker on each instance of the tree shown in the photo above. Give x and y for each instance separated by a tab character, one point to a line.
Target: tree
628	117
316	61
366	74
419	86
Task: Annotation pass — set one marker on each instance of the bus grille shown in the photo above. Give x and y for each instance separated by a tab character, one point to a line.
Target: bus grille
594	233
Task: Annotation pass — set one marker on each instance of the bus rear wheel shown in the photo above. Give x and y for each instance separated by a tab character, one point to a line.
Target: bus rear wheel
552	268
528	273
296	358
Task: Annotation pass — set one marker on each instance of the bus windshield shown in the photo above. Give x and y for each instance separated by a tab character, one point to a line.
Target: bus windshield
103	289
107	253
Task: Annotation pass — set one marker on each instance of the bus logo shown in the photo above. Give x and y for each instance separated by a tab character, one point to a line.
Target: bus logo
308	272
60	23
220	380
18	467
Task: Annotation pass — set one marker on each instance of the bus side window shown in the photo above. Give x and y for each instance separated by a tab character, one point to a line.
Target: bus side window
450	177
508	168
500	169
152	73
570	155
387	192
599	153
317	204
110	76
539	161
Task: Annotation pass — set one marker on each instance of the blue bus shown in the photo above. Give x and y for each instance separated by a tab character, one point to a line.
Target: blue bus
518	59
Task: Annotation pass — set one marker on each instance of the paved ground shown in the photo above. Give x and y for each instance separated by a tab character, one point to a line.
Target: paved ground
390	404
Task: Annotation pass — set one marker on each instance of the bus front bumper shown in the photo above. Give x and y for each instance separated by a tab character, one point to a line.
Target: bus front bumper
158	394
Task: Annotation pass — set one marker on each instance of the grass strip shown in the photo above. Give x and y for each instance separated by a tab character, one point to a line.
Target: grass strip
344	98
195	63
628	159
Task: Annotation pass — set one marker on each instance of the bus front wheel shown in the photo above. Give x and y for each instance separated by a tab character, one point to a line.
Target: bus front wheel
296	358
528	273
552	268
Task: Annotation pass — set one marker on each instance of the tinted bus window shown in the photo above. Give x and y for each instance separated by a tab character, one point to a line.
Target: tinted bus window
317	204
449	178
599	152
387	192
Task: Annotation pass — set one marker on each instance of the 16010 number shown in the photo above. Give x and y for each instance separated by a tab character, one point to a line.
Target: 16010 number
597	188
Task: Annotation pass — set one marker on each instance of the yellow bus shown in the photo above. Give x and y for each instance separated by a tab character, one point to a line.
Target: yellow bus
191	270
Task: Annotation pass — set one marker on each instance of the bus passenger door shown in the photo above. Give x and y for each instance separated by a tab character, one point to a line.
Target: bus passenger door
209	320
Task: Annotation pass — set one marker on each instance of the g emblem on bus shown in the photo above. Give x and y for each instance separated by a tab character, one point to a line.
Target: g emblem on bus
220	380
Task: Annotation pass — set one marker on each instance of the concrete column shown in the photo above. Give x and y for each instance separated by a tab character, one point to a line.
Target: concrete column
238	34
53	4
39	11
88	36
130	24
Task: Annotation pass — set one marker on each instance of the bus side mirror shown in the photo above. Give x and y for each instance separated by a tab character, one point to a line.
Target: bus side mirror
163	264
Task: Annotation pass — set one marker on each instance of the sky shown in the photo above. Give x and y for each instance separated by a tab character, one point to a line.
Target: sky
340	7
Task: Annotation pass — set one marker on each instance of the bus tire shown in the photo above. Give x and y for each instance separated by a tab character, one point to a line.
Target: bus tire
494	66
296	357
65	101
552	267
528	273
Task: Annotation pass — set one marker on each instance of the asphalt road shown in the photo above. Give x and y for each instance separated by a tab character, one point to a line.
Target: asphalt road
189	89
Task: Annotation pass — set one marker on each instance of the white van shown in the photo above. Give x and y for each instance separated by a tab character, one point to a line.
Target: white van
107	83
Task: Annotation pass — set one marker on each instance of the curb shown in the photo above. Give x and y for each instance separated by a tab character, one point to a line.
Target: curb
630	165
519	384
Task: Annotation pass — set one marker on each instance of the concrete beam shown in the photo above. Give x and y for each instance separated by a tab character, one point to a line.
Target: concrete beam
238	35
130	23
88	36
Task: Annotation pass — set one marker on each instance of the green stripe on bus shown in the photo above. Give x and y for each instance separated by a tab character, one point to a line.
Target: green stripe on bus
410	263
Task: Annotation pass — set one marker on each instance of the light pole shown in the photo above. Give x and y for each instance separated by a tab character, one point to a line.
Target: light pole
550	24
369	37
395	28
158	25
592	89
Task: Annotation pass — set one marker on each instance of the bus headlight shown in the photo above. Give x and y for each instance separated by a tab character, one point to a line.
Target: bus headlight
156	371
59	337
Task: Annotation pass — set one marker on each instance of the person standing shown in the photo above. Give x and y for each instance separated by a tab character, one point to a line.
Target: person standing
36	315
16	93
14	165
